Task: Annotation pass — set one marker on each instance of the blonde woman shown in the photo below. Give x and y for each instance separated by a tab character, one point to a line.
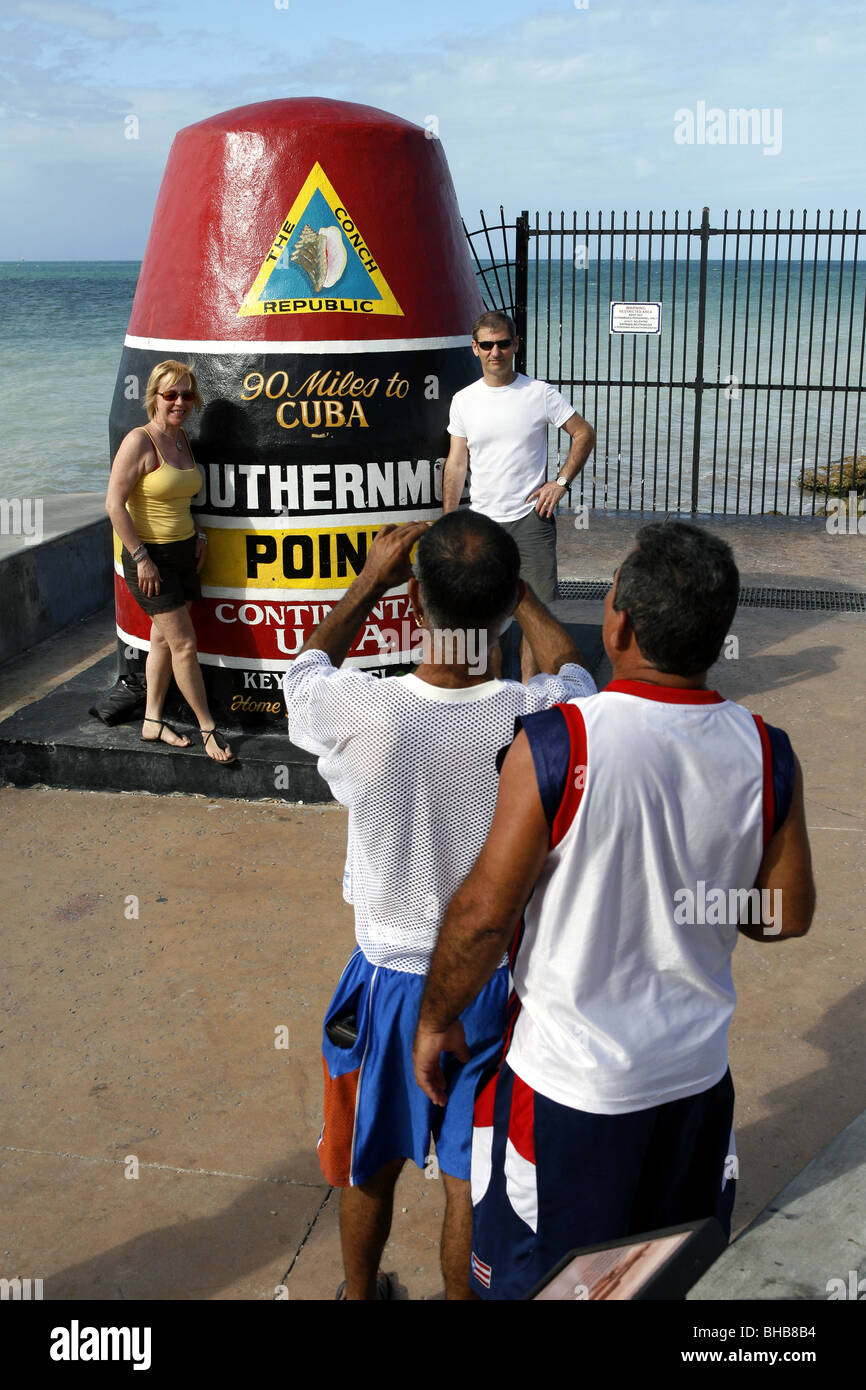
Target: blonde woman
153	480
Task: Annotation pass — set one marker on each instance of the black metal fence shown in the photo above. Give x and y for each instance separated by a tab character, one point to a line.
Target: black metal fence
748	400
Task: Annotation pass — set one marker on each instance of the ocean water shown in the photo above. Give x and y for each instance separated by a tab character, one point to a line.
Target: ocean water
768	329
62	326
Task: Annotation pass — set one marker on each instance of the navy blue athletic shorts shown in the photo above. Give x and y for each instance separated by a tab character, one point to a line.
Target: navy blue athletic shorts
547	1179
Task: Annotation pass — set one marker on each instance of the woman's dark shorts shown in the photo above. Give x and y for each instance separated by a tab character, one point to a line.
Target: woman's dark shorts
178	581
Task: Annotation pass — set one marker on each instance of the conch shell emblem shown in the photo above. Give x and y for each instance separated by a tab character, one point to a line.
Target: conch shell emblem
321	255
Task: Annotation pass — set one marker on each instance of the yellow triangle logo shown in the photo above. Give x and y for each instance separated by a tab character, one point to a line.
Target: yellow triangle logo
319	261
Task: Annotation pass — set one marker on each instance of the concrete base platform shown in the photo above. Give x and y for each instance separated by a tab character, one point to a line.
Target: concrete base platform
55	742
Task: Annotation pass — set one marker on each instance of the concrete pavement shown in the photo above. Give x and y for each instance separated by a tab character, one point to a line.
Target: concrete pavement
157	947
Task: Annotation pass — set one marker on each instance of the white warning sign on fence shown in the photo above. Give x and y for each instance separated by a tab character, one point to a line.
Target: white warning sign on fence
630	317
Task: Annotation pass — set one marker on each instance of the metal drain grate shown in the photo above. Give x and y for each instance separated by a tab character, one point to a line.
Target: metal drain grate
582	588
828	600
823	600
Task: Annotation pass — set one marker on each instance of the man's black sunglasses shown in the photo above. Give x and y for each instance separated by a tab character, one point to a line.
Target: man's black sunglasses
500	343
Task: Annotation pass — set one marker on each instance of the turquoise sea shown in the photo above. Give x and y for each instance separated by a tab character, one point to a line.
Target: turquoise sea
62	326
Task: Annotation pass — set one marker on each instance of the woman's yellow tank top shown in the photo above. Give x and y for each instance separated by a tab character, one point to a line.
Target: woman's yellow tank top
159	503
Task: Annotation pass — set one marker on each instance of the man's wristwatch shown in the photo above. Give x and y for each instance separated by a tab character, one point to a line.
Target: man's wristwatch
562	481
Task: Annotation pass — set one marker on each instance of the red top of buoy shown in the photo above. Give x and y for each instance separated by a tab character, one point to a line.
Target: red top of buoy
305	220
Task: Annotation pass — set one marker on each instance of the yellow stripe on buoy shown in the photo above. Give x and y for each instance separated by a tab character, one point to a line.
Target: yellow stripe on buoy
287	559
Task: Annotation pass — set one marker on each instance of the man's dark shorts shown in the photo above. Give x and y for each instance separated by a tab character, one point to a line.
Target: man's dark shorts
547	1179
536	540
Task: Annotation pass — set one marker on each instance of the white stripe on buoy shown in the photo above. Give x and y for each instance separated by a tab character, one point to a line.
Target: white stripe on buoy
253	663
311	521
256	348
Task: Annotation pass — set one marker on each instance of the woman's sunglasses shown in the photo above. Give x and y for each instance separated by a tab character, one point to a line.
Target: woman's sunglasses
173	395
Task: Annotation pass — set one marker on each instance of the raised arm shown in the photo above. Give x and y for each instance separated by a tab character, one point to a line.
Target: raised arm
786	869
550	643
454	474
387	565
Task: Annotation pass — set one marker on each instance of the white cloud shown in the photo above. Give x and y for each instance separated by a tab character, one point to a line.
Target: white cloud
92	21
562	108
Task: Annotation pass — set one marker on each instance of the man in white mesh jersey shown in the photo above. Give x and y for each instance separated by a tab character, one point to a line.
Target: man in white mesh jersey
414	759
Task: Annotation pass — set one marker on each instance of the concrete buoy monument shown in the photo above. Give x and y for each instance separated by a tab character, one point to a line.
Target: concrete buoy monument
308	258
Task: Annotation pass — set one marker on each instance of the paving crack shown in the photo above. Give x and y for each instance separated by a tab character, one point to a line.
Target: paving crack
838	811
160	1167
324	1202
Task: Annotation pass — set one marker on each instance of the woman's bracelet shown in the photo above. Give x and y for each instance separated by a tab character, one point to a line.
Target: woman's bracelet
201	536
139	554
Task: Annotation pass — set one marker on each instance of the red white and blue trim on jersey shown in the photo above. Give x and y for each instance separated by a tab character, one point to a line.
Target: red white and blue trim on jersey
557	740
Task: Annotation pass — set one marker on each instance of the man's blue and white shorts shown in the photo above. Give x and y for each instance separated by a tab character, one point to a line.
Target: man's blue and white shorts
374	1110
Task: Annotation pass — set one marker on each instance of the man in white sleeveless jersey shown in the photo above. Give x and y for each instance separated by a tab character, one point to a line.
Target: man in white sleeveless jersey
650	823
413	757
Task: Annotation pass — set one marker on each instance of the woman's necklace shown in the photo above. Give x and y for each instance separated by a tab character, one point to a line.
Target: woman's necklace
178	441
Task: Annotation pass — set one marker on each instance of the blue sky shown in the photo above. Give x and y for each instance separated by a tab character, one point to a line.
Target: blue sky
542	106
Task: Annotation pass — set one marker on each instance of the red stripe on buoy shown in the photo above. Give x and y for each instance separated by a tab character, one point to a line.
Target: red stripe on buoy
256	629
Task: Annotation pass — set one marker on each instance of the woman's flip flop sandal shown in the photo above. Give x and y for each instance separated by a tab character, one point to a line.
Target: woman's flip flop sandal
159	738
221	744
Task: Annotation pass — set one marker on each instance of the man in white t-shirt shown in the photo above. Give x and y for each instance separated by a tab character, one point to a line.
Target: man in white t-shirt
637	833
498	428
413	757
